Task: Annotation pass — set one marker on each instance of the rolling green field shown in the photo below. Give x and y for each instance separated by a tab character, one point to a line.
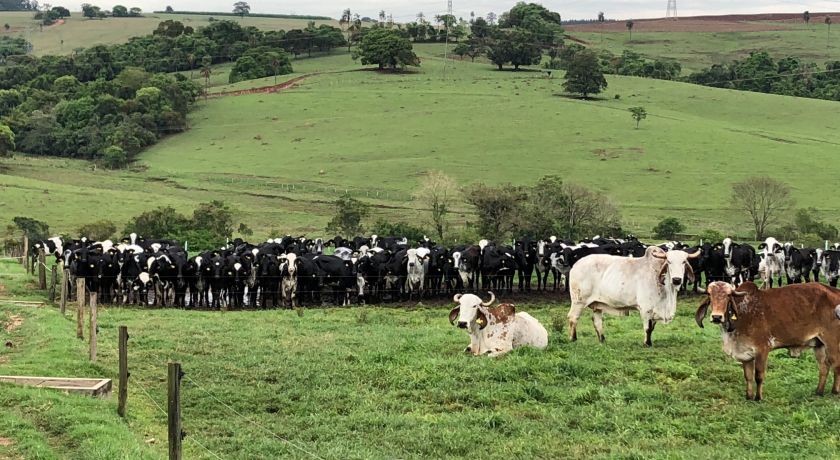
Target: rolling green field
699	50
282	158
383	382
79	32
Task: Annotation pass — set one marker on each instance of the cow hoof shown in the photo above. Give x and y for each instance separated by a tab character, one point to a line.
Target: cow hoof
835	392
820	392
468	350
648	345
602	339
757	398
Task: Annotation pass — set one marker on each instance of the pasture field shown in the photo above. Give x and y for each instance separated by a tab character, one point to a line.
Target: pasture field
703	47
79	32
375	135
392	382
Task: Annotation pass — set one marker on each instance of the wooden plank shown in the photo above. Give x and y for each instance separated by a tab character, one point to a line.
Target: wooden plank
174	411
123	389
53	281
85	386
92	334
25	258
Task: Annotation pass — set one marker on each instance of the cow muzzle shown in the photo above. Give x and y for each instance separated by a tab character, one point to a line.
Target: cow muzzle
717	319
676	281
462	324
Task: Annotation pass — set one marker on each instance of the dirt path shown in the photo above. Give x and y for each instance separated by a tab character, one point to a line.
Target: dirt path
265	89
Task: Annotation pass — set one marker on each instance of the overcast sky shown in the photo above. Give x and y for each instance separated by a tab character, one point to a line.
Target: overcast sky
406	10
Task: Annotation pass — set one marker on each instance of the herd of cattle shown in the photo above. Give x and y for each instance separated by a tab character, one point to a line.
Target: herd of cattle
604	275
288	270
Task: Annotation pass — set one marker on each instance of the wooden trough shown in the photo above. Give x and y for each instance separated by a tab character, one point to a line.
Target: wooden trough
89	387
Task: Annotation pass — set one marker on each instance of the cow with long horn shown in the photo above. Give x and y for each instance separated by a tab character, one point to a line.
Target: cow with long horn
495	330
614	284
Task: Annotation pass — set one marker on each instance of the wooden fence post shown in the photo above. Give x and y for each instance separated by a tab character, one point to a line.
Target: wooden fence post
42	269
53	280
92	333
174	411
25	256
80	310
65	285
123	389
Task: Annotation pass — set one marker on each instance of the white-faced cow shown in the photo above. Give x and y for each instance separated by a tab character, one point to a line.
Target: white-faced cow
615	284
774	261
496	330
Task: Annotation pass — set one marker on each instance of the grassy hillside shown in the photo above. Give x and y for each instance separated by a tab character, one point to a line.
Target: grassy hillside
698	50
375	135
393	383
79	32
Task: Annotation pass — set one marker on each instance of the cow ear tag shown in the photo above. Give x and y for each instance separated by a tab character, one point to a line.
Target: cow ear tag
733	317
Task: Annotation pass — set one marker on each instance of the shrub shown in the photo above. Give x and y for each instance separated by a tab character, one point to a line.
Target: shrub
667	228
98	231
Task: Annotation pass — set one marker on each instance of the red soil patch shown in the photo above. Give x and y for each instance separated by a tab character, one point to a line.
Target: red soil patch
5	442
13	322
264	89
728	23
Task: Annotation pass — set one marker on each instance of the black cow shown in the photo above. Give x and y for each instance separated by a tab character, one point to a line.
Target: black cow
798	263
831	266
338	274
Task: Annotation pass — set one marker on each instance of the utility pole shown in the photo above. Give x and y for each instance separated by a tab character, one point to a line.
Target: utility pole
446	46
672	9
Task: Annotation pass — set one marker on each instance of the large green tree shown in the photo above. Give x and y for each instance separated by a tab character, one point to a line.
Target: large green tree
349	217
386	48
584	75
7	141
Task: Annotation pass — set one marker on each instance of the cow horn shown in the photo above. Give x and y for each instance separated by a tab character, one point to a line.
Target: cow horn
695	255
740	293
489	302
457	298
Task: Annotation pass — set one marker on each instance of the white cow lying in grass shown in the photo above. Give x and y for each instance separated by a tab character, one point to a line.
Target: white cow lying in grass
497	330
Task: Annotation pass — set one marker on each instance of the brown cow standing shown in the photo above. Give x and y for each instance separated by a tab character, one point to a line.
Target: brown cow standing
754	322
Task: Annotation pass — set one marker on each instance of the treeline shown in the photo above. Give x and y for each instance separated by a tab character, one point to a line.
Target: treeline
18	5
761	73
11	46
629	63
253	15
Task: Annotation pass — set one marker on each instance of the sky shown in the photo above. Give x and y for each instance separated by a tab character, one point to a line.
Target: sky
406	10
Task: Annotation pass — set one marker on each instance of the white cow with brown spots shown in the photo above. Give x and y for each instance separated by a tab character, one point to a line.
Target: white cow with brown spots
495	331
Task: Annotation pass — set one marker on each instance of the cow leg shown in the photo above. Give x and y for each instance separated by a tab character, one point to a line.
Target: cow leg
822	362
574	314
598	321
760	371
648	324
749	377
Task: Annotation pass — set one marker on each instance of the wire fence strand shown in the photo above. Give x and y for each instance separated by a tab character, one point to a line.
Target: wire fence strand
252	422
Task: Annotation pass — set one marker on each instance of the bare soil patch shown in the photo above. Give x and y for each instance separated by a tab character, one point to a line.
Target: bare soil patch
5	442
13	322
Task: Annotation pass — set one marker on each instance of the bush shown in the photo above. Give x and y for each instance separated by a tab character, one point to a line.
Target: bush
98	231
400	229
667	228
349	214
114	157
32	228
7	141
709	236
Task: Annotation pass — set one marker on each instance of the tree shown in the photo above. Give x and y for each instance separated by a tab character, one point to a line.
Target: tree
349	214
491	18
499	208
206	72
98	231
191	62
585	212
33	229
135	12
601	20
259	62
629	25
6	26
169	9
668	228
763	199
438	193
584	75
214	217
90	11
61	11
241	8
162	222
119	11
461	49
639	114
114	157
386	48
7	141
806	16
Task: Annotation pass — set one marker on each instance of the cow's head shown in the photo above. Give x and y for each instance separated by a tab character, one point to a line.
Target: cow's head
469	311
727	247
723	298
675	268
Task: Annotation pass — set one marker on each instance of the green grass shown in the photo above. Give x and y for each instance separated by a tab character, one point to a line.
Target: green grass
396	385
79	32
699	50
375	135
